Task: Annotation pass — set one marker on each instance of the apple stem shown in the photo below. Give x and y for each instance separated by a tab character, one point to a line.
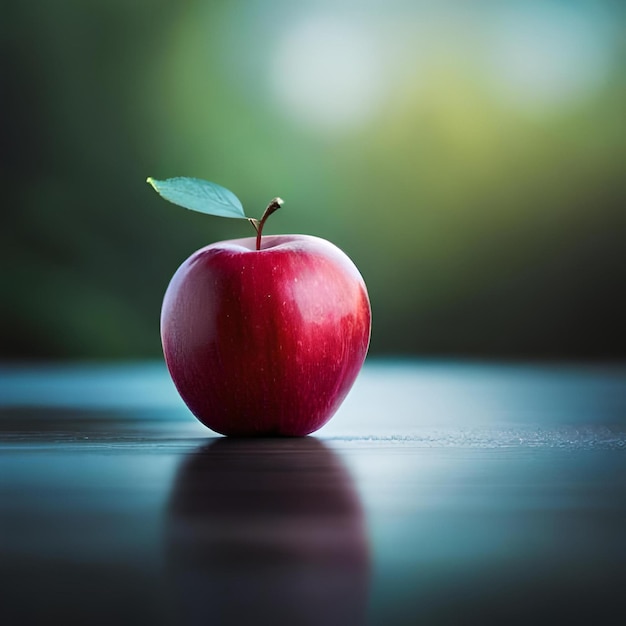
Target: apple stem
274	205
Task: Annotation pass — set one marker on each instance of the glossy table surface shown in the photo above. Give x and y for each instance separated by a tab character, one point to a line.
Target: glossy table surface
440	493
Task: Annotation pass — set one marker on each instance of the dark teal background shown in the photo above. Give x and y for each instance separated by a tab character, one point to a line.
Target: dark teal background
469	157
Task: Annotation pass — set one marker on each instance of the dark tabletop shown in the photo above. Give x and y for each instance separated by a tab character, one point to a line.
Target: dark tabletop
440	493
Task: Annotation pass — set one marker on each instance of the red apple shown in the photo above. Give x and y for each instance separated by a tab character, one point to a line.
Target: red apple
266	341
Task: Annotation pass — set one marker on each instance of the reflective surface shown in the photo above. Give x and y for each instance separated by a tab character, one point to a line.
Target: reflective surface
441	493
269	528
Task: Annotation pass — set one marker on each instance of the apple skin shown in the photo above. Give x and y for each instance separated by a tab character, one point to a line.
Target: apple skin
266	342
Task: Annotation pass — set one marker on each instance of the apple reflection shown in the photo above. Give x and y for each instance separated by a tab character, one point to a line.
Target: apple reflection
267	531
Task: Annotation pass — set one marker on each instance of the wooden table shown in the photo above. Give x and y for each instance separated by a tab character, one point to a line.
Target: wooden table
440	493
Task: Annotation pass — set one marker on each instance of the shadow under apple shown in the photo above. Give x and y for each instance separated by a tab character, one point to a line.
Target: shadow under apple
267	531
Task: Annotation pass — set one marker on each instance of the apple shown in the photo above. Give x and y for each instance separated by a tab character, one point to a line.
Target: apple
264	336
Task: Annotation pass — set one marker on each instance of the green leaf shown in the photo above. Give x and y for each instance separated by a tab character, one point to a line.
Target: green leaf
199	195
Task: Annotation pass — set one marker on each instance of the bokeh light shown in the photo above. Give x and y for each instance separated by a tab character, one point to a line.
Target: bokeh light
327	73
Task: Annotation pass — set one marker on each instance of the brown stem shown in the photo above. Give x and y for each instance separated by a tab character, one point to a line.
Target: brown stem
274	205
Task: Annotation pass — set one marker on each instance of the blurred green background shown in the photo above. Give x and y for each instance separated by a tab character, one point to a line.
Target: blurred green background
469	157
